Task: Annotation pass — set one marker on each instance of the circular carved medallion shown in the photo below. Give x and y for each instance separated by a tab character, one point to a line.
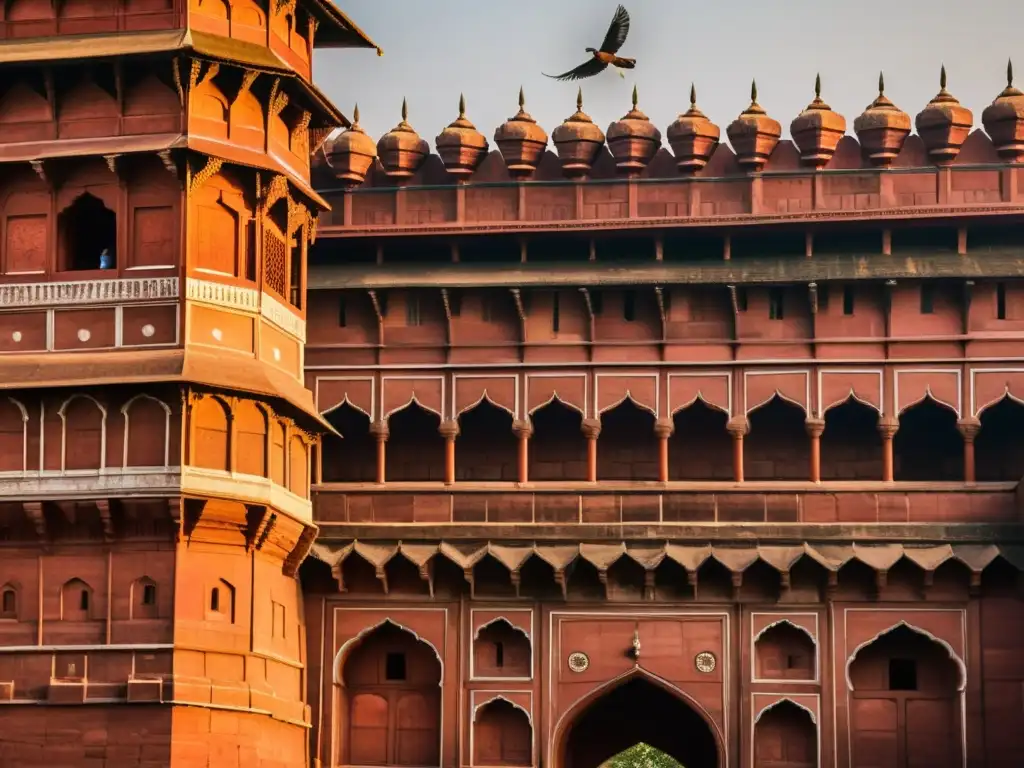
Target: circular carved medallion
705	662
578	661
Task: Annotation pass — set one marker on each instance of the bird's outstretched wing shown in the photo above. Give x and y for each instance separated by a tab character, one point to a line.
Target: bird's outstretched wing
588	69
617	32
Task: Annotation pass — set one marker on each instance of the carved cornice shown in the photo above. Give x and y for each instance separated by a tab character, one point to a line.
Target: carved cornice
33	295
225	295
275	312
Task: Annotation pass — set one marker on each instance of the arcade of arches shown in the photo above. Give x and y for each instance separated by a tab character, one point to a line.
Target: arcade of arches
904	711
776	441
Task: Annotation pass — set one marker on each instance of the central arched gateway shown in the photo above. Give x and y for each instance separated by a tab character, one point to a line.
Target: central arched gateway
638	710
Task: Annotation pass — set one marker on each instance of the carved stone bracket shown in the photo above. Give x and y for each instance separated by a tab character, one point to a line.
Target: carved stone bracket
211	72
299	552
247	81
192	513
115	164
40	170
168	160
213	165
176	74
34	512
275	191
279	103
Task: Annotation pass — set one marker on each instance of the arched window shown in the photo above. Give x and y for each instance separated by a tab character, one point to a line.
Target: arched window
87	232
76	601
8	603
144	603
221	605
502	735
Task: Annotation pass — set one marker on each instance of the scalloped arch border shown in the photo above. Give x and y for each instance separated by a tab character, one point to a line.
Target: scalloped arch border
903	623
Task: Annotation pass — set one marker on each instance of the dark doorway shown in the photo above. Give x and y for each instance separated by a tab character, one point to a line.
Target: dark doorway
87	233
639	712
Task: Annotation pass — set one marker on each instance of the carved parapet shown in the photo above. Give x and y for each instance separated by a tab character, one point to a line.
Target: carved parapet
591	428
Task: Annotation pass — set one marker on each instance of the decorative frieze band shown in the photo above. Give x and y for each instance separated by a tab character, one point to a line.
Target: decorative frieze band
16	295
282	317
222	294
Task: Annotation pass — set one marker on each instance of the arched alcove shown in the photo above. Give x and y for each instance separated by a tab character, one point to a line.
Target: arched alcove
627	448
84	435
486	448
998	448
9	602
221	602
851	447
777	447
700	447
502	735
906	703
501	650
76	601
785	736
643	710
144	599
351	458
210	428
558	450
391	700
87	235
415	450
13	436
147	434
784	651
251	432
928	446
626	580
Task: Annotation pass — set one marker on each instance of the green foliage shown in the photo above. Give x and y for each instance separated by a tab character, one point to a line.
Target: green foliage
642	756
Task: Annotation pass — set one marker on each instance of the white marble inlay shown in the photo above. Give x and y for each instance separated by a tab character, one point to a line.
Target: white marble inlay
87	292
84	334
16	336
148	330
217	334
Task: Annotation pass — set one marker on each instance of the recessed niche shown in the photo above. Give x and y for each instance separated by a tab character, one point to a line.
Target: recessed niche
501	650
784	652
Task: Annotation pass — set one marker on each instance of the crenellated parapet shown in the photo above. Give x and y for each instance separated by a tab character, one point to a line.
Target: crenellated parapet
579	150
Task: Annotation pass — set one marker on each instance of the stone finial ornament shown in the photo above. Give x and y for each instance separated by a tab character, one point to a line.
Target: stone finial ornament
521	141
351	153
753	134
881	129
578	141
693	137
817	130
1004	121
401	149
633	140
461	146
944	124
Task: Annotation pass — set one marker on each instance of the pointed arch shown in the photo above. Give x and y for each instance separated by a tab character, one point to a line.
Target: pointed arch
699	397
144	599
338	667
485	397
779	622
851	396
10	601
628	397
576	710
500	620
499	697
411	402
904	624
13	435
346	400
1006	395
555	398
785	700
776	395
76	600
928	397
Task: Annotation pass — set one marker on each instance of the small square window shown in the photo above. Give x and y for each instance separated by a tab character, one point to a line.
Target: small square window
394	667
902	675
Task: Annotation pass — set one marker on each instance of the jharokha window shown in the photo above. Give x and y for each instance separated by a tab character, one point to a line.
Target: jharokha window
393	700
87	235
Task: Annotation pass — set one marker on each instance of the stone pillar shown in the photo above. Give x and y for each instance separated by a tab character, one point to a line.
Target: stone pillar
523	430
380	432
591	429
815	428
663	429
888	426
969	429
449	431
738	427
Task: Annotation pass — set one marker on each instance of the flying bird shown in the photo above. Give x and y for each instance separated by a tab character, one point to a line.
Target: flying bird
605	55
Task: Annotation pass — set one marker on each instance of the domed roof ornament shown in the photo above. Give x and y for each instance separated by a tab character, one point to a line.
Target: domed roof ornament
882	128
944	124
351	153
1004	121
633	140
578	141
521	141
460	145
753	134
817	130
401	149
693	137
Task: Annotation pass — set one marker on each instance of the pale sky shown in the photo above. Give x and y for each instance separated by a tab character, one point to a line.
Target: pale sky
435	49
